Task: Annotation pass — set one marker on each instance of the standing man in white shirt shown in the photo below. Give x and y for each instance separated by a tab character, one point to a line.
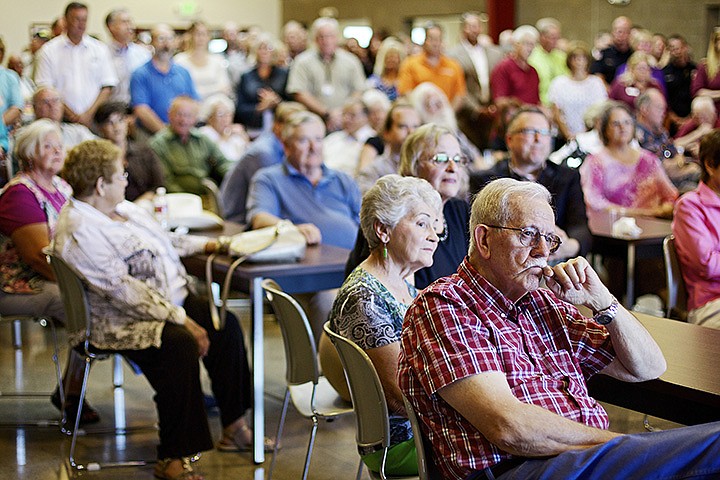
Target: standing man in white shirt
126	54
477	61
78	66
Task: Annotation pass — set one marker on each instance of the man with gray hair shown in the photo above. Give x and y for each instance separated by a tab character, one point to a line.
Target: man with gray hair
546	58
323	77
514	77
497	366
323	203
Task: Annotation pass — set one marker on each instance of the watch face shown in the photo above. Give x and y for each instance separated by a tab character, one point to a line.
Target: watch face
604	318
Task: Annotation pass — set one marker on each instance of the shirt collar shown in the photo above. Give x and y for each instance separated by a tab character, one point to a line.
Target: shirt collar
708	196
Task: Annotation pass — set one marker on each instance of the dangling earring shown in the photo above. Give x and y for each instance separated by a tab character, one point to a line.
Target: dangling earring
384	253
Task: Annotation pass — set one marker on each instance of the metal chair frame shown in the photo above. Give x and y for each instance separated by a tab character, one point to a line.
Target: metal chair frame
77	319
311	393
368	397
677	292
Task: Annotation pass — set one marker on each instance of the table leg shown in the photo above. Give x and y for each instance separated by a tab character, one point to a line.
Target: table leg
630	285
258	373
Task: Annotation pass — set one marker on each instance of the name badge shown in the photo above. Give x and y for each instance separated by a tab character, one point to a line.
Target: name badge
327	89
632	91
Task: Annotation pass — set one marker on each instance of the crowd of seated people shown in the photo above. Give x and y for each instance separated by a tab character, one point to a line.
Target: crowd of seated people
296	129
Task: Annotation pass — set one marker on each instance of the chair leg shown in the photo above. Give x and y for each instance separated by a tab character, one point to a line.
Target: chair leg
16	334
360	470
281	424
311	444
76	429
118	374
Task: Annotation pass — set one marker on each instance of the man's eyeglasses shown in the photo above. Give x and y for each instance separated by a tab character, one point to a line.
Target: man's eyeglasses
543	132
444	158
530	237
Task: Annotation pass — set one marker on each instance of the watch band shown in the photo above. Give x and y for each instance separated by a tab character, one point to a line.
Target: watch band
607	315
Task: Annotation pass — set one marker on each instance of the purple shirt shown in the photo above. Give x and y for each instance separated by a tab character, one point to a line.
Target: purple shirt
462	326
19	207
696	226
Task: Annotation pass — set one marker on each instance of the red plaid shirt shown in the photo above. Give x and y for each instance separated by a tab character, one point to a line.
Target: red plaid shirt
461	326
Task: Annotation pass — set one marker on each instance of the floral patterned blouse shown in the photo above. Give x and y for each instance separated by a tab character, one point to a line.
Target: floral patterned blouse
607	182
369	315
135	279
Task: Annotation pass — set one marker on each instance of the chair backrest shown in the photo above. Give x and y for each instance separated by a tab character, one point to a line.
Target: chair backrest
212	196
366	391
300	349
73	295
426	467
677	294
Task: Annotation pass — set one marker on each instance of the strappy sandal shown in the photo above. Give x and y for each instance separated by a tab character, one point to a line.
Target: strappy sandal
237	443
188	473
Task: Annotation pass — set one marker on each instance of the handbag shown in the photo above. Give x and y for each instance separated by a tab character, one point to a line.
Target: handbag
281	243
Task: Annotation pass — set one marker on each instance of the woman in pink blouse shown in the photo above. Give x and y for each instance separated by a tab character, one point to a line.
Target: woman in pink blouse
622	176
696	226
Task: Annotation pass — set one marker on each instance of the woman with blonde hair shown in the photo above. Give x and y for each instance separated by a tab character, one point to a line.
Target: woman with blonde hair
636	79
207	70
387	65
707	79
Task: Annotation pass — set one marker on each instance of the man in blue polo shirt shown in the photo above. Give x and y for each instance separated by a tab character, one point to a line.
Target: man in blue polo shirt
323	203
155	85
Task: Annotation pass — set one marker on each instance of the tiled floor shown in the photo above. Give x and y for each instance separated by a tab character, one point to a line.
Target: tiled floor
36	453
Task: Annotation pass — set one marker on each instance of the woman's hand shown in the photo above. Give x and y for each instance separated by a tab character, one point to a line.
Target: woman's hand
200	334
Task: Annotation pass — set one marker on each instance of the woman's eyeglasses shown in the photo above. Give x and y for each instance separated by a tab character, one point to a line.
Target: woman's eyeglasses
444	159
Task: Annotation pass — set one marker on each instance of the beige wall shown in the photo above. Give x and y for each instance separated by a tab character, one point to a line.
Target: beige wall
16	20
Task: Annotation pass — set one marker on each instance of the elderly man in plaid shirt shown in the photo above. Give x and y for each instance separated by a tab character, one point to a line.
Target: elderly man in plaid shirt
496	367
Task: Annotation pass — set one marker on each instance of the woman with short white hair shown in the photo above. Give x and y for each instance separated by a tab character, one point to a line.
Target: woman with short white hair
400	218
218	112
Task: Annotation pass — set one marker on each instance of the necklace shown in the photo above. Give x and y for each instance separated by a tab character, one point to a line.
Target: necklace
444	234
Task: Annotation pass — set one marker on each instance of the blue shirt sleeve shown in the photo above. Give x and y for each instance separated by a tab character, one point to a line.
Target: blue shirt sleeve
262	197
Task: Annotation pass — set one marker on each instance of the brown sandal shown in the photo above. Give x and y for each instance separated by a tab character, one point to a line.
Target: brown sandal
236	442
188	473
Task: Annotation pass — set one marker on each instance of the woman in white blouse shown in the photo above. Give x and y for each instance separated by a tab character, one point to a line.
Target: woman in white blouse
208	70
571	95
142	306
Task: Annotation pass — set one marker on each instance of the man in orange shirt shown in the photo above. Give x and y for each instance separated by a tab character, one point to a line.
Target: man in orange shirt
431	65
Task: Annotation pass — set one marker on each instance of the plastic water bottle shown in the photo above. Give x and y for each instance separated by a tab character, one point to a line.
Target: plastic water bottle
160	206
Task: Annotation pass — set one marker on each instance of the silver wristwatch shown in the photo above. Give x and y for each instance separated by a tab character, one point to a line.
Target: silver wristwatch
607	315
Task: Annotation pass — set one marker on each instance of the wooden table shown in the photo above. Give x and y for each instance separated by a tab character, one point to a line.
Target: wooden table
689	391
322	268
654	230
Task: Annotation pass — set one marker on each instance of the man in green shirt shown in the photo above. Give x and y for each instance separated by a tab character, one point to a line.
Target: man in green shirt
187	156
546	58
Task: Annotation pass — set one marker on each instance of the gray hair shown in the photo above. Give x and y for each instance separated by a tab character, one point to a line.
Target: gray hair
299	118
645	98
418	144
30	138
324	22
211	104
524	31
493	204
390	200
545	24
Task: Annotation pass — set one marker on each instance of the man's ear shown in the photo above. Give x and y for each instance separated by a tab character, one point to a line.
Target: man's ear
480	235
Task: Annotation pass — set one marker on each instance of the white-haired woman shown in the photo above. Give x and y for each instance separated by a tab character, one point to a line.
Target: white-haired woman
399	217
387	65
29	208
218	111
433	153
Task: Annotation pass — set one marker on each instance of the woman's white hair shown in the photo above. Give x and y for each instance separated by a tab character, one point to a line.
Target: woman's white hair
29	140
446	117
391	199
388	45
211	104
